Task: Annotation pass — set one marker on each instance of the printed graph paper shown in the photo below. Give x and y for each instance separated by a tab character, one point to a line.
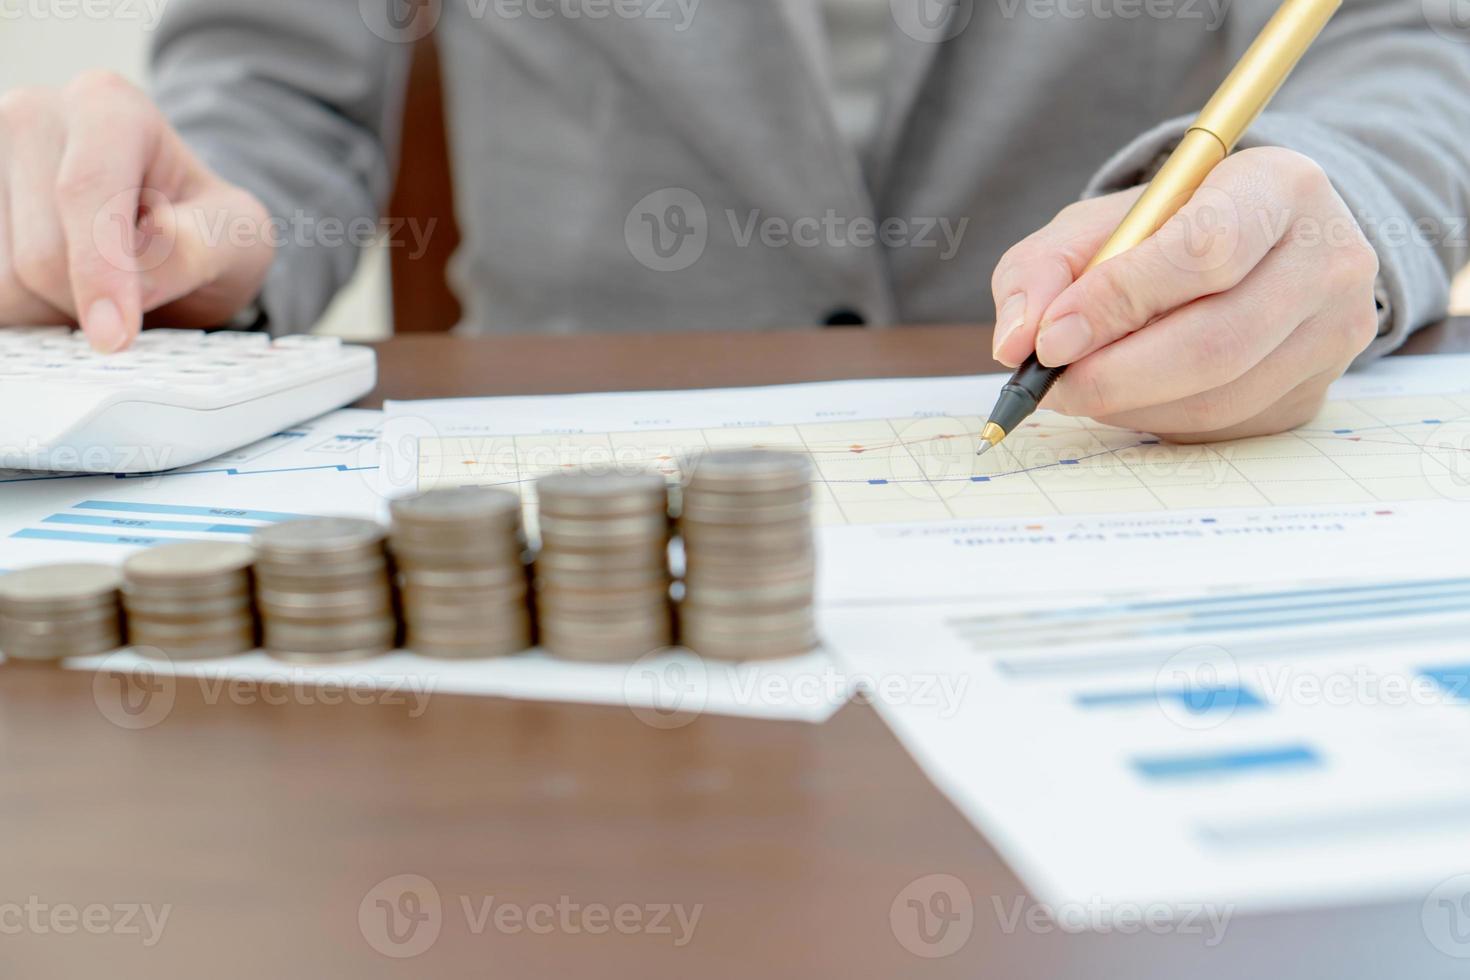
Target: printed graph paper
918	469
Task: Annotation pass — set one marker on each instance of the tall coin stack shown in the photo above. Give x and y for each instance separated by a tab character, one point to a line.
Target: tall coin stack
462	574
602	577
323	590
750	557
55	611
190	600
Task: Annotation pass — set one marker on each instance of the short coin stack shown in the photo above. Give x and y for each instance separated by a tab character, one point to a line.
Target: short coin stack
190	600
323	590
460	556
56	611
750	560
602	577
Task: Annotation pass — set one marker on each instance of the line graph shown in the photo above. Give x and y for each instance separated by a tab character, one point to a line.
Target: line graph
881	470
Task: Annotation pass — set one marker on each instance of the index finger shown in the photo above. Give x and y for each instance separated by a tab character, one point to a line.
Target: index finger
111	132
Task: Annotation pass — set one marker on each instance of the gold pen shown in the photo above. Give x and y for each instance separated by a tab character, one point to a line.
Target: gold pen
1214	133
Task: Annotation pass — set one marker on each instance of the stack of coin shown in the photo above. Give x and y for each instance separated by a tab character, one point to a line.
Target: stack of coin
323	589
750	566
602	577
190	600
55	611
461	563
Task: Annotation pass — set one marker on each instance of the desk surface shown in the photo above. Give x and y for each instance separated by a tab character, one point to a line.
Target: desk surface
264	826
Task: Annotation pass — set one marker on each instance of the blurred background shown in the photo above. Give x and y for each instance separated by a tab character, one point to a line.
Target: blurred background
50	44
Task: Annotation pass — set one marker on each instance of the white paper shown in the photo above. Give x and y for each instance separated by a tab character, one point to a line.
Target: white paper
1119	762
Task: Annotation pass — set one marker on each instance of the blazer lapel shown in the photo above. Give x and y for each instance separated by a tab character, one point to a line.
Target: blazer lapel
922	28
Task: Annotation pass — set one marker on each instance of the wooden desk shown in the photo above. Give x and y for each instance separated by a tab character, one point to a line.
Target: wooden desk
264	826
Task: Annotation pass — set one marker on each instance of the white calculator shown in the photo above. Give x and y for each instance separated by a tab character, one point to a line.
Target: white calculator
173	398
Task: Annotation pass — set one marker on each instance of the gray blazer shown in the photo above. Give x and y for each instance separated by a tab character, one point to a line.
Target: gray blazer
637	164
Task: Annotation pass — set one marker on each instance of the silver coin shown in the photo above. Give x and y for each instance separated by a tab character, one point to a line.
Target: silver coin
645	596
73	624
650	555
213	648
512	591
734	539
190	590
336	643
583	494
738	516
155	631
745	622
605	580
755	595
319	538
465	617
189	561
468	644
469	577
316	607
458	507
578	531
90	644
460	555
751	470
604	647
58	588
185	610
357	576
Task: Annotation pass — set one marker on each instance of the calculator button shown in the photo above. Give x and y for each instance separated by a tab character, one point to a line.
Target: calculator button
237	340
168	337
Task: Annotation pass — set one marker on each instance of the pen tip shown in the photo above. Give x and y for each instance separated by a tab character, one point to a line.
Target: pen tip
990	436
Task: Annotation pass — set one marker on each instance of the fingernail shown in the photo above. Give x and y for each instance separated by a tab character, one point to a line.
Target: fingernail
1010	318
1064	340
104	327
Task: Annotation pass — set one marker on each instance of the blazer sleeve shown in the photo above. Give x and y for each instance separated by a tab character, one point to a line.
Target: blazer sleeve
1382	103
299	102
